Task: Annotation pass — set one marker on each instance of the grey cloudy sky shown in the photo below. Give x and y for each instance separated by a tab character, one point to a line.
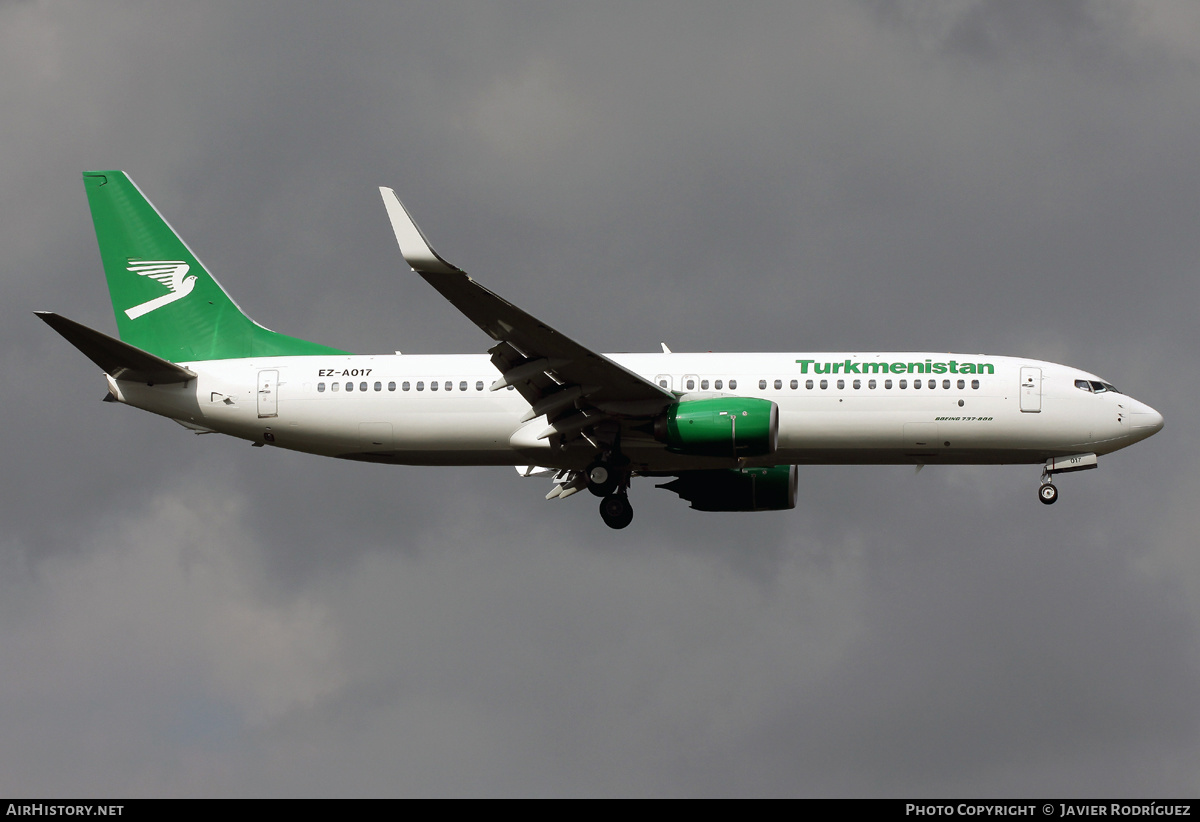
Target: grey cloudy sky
185	615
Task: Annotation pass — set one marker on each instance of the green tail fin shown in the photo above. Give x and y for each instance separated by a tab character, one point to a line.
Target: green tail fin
164	299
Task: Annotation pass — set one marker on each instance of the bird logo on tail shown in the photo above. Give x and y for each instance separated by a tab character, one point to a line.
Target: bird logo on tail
171	273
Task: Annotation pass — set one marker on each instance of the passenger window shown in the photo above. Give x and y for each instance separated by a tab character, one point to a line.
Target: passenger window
824	384
871	384
349	386
887	384
975	384
962	384
462	386
378	386
704	385
945	383
916	383
857	384
449	385
841	383
762	385
662	383
433	385
904	383
733	385
404	386
479	385
320	388
391	386
717	385
795	384
691	385
808	384
420	385
778	384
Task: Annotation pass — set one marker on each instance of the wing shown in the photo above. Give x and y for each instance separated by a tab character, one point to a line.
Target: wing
575	387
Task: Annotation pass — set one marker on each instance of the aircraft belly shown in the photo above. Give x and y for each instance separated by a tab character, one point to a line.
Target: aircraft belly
454	431
412	433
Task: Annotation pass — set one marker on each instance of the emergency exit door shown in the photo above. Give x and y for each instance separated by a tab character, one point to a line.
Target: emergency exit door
268	393
1031	389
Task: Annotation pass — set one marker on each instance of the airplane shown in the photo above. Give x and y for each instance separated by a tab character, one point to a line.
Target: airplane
725	431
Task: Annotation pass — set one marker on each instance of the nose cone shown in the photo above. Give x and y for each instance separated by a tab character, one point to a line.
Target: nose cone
1145	420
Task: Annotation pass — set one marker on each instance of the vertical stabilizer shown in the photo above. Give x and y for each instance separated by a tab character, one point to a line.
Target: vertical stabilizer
164	299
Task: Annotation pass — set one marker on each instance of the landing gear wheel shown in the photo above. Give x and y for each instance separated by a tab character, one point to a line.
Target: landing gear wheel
602	479
616	511
1048	494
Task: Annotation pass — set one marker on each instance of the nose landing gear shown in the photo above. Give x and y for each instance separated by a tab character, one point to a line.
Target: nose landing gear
1047	493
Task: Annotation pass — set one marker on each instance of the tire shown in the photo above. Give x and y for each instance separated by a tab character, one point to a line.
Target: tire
602	479
616	511
1048	494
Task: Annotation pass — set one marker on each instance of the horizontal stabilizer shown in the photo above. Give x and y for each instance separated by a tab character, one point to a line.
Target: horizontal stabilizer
120	360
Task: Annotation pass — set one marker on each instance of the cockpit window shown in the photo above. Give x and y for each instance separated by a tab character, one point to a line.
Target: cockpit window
1096	386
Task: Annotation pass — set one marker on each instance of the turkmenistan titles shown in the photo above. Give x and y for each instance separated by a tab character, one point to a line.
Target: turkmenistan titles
926	367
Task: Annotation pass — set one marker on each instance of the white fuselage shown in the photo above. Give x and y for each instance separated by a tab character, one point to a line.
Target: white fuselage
833	408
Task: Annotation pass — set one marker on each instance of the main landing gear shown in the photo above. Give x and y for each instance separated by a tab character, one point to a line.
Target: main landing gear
609	478
602	480
616	511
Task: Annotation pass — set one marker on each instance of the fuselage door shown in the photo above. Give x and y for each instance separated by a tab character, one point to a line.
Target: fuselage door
1031	389
268	393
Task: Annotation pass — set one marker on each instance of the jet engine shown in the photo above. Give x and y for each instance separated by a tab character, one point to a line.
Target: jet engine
720	426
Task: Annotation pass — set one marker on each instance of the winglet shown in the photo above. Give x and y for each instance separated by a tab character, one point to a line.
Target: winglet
413	245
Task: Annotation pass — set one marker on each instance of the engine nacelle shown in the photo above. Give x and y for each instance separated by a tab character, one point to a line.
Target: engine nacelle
738	489
720	426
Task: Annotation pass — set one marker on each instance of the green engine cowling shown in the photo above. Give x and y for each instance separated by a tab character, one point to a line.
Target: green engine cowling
720	426
770	488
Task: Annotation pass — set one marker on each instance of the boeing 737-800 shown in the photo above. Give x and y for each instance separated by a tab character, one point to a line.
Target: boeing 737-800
727	431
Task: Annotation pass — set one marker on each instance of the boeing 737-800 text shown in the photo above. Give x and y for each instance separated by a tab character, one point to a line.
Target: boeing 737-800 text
727	431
